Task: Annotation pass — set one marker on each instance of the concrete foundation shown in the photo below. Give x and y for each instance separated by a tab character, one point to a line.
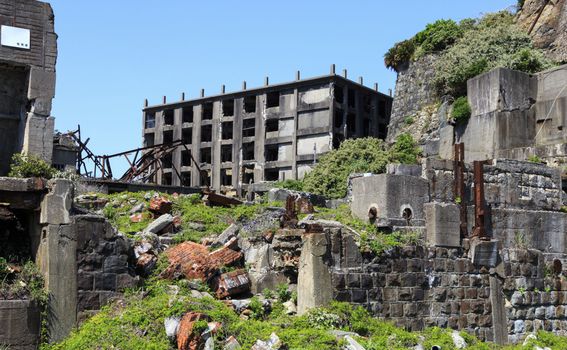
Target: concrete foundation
20	324
396	199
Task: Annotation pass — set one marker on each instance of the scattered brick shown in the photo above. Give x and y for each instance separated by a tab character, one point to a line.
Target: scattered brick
231	283
225	256
160	205
186	339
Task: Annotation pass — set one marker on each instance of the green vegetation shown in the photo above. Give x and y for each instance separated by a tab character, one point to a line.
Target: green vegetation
409	120
399	54
23	166
493	41
364	155
294	185
25	284
534	159
461	110
198	220
469	48
437	36
137	323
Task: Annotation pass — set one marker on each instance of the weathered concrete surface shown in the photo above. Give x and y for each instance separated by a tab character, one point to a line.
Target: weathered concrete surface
271	133
392	196
57	259
314	286
543	230
484	253
20	324
56	205
443	224
27	82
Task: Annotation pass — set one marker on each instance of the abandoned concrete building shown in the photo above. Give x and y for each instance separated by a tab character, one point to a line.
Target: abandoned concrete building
28	53
275	132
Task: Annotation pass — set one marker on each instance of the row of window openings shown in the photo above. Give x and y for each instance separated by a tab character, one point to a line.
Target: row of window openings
272	100
366	101
225	174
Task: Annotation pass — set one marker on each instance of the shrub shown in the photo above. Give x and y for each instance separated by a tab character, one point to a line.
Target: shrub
365	155
534	159
294	185
493	41
461	110
284	293
329	176
399	54
23	166
404	150
437	36
409	120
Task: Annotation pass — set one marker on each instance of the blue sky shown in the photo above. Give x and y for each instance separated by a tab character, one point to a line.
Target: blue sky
115	53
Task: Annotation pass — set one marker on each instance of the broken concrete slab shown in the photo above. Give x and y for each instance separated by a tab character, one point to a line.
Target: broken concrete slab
159	224
229	233
273	343
443	224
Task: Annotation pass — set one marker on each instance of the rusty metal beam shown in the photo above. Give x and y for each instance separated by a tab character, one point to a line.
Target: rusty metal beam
479	201
459	186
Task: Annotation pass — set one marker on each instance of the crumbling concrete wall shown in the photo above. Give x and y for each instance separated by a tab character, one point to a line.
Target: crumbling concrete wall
27	84
83	259
513	115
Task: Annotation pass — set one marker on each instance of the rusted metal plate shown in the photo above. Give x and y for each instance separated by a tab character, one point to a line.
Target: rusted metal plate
212	198
479	202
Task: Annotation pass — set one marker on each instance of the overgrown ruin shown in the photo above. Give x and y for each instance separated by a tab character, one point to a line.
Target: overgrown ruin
472	238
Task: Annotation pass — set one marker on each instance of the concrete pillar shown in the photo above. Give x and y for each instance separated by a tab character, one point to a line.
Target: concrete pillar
38	136
176	155
57	259
197	117
499	319
314	287
216	146
237	140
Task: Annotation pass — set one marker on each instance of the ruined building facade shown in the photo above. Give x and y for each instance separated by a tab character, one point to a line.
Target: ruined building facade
271	133
28	54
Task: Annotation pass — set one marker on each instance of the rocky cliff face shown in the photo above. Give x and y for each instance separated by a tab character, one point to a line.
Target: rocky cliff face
547	20
414	91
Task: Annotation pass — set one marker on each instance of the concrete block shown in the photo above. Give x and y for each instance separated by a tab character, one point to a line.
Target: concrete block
314	287
484	253
20	324
403	169
41	83
38	136
393	196
56	205
443	224
501	89
446	142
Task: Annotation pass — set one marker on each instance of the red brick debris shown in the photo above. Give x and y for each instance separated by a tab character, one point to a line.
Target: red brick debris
231	283
194	260
160	205
186	339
